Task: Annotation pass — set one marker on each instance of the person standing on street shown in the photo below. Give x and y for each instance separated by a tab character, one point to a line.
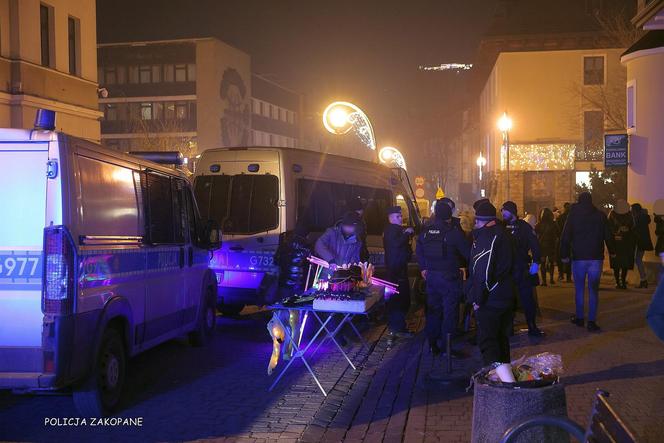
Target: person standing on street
490	286
564	268
621	224
583	238
340	244
548	236
527	258
396	241
643	240
442	250
456	221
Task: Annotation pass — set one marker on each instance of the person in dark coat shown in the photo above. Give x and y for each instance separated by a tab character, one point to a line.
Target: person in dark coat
621	224
357	205
396	241
340	245
643	240
527	259
490	286
548	236
583	238
564	269
291	257
456	221
442	250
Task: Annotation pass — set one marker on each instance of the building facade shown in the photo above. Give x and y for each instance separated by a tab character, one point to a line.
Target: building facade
191	95
48	59
561	104
645	106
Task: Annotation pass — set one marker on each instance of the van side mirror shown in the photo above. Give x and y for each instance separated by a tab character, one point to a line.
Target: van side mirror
213	234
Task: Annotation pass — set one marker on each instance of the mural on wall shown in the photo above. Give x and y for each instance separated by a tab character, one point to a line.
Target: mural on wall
236	120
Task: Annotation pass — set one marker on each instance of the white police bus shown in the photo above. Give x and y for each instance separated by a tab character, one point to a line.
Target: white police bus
257	193
102	256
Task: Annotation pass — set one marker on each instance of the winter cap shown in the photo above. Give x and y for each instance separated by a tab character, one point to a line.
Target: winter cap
479	202
351	218
510	206
355	204
394	210
621	207
442	210
485	211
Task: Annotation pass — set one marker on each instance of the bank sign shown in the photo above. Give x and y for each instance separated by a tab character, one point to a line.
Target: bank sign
615	150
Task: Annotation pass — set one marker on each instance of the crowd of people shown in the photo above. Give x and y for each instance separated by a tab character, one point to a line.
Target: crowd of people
491	268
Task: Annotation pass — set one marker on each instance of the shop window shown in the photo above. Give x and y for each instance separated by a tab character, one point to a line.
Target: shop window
593	70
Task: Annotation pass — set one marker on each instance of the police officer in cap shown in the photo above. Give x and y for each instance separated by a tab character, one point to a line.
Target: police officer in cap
396	241
442	250
526	262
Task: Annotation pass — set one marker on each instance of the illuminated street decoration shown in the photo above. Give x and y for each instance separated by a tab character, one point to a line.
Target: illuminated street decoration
448	67
392	157
540	157
340	117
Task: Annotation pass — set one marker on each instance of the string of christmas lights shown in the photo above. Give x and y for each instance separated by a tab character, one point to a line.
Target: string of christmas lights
539	157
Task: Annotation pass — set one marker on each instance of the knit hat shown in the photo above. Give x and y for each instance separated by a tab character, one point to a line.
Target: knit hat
442	210
355	204
479	202
485	211
510	206
351	218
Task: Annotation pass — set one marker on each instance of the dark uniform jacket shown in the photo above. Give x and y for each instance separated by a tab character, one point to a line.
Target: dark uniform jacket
397	249
490	280
442	248
526	245
291	256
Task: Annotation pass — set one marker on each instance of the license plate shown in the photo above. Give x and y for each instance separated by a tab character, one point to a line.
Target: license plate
20	265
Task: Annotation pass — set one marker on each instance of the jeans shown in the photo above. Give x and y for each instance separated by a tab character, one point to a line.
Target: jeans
592	269
443	297
398	304
638	259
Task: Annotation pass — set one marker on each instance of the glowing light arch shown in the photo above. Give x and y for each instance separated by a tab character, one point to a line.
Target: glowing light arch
340	117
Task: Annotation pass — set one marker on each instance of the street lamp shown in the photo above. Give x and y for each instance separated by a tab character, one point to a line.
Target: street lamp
391	156
340	117
505	125
481	163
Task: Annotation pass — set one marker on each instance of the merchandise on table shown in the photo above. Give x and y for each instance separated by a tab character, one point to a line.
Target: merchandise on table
357	301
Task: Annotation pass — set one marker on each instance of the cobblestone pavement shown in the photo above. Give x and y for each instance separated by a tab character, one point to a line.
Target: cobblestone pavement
220	392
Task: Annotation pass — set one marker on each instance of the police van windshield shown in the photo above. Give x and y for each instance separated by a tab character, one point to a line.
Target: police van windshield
242	204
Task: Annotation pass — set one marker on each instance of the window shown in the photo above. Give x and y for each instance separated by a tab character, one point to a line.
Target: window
111	112
274	112
145	74
180	73
169	110
255	106
282	114
158	110
121	73
146	111
156	73
46	35
191	72
168	73
164	209
242	204
110	75
631	107
74	44
265	109
593	135
593	70
133	74
291	117
181	111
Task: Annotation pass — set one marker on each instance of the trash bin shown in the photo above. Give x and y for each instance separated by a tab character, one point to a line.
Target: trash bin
498	406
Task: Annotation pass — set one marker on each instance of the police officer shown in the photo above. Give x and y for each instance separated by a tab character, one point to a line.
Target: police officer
490	286
441	251
526	262
396	241
456	221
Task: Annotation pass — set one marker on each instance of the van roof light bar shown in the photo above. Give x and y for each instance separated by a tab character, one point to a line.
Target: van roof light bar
161	157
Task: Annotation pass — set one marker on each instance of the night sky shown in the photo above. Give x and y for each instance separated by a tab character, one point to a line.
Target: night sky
367	51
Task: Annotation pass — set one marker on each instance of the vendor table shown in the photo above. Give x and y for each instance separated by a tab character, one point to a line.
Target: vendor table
324	319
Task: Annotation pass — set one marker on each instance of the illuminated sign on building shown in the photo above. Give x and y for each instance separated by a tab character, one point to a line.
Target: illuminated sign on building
540	157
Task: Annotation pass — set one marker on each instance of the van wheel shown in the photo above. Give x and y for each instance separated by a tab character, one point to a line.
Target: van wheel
230	310
100	393
206	322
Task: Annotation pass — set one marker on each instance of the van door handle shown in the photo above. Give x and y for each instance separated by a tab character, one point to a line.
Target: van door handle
191	256
181	258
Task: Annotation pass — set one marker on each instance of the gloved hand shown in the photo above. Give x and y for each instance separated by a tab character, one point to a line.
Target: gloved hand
534	269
